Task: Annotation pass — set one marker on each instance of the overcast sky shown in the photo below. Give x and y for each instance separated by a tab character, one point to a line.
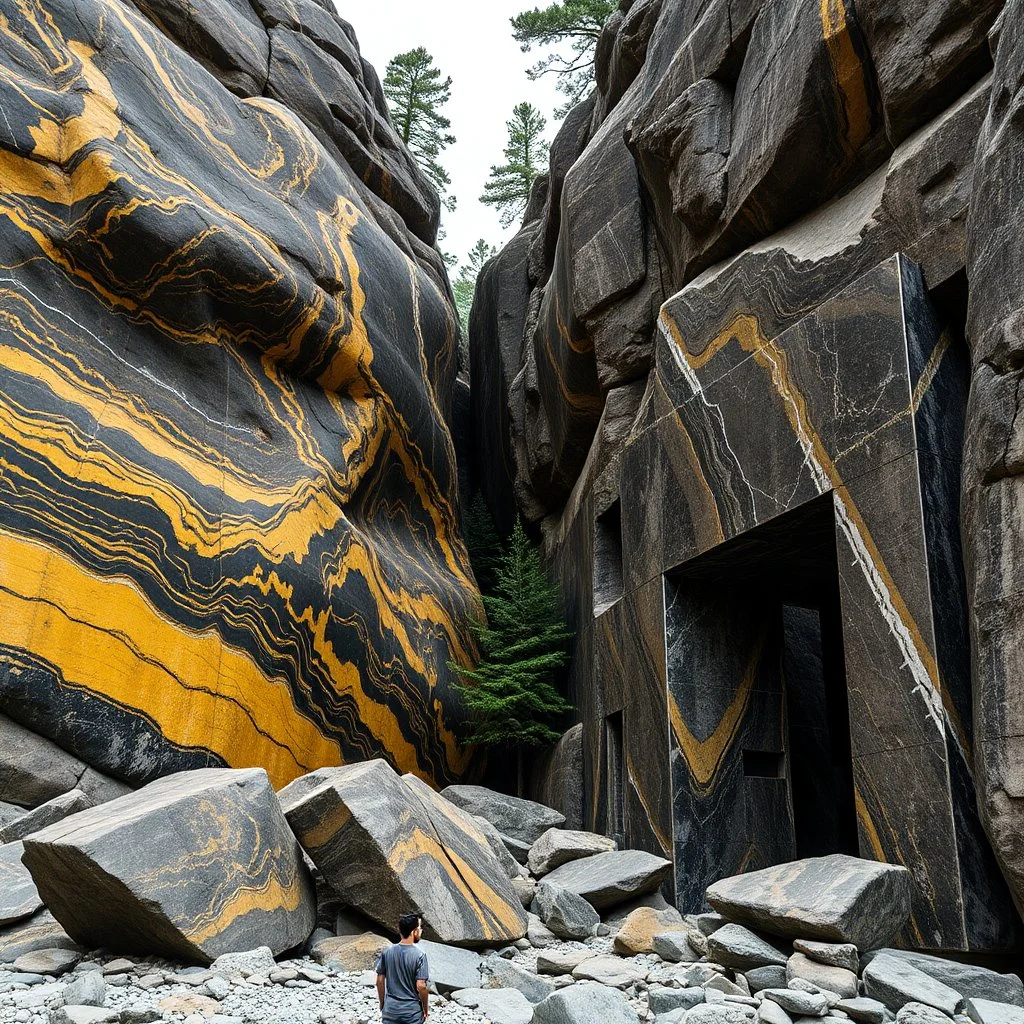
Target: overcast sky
471	40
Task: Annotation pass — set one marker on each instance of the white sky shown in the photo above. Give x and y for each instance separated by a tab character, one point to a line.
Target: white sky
471	40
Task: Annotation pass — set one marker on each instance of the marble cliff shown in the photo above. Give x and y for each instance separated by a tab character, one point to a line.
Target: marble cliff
228	515
752	368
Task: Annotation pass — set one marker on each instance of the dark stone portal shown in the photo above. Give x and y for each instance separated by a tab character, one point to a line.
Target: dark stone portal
789	512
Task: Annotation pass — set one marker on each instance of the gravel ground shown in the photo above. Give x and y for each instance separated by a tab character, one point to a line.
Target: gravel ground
299	991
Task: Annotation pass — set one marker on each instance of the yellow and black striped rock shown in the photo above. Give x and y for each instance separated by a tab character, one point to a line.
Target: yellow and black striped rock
191	866
227	533
388	845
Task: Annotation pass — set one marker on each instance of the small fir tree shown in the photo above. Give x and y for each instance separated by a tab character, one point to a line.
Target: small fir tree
509	185
465	285
483	542
513	695
573	26
415	93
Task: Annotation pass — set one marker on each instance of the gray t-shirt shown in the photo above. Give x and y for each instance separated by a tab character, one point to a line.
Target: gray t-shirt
402	966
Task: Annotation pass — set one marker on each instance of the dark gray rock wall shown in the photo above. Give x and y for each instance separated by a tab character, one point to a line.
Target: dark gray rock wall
743	162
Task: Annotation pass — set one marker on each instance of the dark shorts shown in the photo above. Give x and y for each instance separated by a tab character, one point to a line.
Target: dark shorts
404	1017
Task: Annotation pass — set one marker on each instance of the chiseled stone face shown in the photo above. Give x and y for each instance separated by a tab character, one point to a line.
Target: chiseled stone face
226	509
388	845
193	866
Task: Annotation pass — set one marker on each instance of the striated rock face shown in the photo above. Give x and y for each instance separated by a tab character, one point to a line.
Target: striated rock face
192	866
781	248
228	503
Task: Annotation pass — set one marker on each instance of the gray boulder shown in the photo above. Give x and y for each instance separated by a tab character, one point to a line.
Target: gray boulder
865	1009
562	961
189	867
560	846
836	899
585	1003
539	934
523	821
833	954
499	847
662	999
919	1013
739	948
987	1011
566	914
82	1015
608	879
49	813
761	978
797	1003
19	898
40	931
500	1006
55	961
970	980
769	1012
674	947
833	979
451	967
613	971
258	961
719	1013
87	989
386	843
895	982
9	813
500	973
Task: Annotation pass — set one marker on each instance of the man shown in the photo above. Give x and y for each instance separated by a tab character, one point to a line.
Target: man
402	974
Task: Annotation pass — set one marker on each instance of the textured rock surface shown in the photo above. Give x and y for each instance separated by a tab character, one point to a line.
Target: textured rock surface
971	980
993	520
896	982
49	813
834	898
608	879
228	355
742	169
583	1004
559	846
556	777
193	865
639	932
565	913
19	897
386	844
524	821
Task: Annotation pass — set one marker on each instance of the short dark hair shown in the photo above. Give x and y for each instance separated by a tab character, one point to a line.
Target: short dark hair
408	923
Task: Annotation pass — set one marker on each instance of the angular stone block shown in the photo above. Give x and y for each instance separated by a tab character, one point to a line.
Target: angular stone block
608	879
565	913
191	866
523	820
41	931
19	897
896	982
50	813
835	898
560	846
583	1004
386	844
739	948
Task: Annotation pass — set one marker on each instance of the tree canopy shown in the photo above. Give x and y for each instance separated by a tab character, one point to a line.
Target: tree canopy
573	27
465	284
509	185
416	92
514	695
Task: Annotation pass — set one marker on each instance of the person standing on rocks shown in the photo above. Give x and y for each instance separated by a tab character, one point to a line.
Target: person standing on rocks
402	974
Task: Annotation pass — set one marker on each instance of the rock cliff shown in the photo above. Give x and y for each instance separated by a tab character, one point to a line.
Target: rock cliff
697	334
228	492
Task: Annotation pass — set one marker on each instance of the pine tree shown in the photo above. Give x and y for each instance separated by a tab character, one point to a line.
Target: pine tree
572	23
465	283
513	695
509	185
483	542
415	93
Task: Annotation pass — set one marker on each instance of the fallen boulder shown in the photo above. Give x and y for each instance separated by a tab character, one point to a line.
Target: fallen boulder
500	973
970	980
613	971
19	898
559	846
191	866
836	899
585	1003
833	979
608	879
386	844
57	809
451	967
638	931
833	954
498	1005
741	949
988	1011
675	947
562	961
41	931
353	952
895	982
55	961
521	820
566	914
